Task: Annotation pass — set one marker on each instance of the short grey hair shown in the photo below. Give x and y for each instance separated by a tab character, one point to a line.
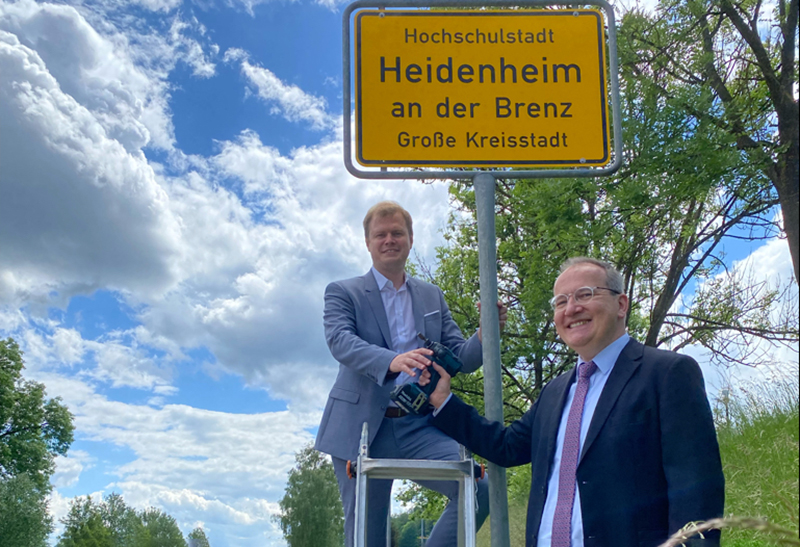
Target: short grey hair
614	279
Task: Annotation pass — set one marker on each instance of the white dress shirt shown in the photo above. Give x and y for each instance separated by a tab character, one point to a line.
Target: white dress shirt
605	362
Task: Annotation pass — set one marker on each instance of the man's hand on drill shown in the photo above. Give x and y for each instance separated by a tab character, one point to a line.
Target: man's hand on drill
411	361
442	391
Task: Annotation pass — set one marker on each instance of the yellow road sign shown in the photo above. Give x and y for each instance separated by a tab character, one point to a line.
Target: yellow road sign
481	88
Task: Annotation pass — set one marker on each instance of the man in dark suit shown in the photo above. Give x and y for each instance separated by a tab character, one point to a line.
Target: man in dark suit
625	455
371	325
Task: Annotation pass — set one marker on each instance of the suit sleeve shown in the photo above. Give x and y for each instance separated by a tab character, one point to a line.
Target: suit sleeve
469	351
347	347
690	453
506	446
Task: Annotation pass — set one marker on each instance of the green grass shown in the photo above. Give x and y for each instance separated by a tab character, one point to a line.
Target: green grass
759	435
517	514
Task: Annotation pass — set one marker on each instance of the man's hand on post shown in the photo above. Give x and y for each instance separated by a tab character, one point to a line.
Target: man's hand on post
409	361
502	315
442	391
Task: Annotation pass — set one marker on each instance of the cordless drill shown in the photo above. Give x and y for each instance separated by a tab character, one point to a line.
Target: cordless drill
412	397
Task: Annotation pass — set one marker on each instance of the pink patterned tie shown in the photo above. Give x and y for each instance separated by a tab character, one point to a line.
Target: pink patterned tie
562	520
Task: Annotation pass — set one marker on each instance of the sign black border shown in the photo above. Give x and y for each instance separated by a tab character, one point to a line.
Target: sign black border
479	163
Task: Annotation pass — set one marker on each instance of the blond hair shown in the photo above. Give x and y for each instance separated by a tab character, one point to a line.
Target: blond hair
386	209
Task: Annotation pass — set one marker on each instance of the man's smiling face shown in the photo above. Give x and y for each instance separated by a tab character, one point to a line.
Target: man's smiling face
589	327
389	243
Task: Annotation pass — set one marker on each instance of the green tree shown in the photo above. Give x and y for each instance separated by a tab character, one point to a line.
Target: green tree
24	520
409	535
162	529
411	531
746	61
398	522
84	527
89	523
93	533
311	511
33	430
125	525
197	538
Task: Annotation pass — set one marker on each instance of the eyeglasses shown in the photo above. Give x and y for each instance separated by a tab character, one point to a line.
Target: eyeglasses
581	296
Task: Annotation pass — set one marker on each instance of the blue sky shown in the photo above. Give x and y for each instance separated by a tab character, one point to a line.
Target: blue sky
173	202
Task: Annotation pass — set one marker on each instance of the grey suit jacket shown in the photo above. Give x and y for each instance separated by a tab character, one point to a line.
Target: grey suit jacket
357	332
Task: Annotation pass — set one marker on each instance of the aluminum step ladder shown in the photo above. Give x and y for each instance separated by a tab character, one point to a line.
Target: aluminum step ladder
462	470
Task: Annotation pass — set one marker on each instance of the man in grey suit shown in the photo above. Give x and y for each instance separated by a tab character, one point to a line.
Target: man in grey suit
371	325
624	452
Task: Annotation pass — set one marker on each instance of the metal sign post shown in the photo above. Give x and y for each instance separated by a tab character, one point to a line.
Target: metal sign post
490	332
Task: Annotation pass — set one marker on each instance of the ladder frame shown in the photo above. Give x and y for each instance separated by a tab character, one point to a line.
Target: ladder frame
462	470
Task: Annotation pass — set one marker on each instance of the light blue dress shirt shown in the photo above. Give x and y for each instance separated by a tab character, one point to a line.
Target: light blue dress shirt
400	315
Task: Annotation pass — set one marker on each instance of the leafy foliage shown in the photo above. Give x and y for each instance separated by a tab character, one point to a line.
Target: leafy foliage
311	510
126	527
85	526
409	534
197	538
112	523
744	62
162	529
24	520
33	430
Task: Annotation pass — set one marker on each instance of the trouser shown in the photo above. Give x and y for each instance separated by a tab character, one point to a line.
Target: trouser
409	437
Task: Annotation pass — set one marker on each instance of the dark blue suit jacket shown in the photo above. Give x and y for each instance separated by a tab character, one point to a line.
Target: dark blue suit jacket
650	463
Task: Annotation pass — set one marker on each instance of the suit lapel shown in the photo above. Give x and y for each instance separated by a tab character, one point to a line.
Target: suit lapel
373	295
416	305
627	363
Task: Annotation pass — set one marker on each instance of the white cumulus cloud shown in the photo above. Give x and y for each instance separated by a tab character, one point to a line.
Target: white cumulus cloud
286	100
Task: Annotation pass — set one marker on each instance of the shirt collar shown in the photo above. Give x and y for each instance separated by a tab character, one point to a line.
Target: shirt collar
384	282
605	359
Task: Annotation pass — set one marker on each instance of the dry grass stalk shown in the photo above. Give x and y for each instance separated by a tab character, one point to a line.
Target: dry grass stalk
780	535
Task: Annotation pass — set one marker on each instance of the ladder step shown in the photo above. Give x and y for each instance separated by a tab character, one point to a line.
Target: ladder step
387	468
